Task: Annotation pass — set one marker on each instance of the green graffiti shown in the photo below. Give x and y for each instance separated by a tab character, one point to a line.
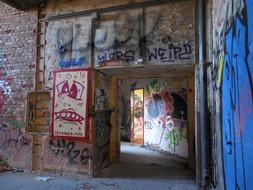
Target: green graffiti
152	87
16	124
175	136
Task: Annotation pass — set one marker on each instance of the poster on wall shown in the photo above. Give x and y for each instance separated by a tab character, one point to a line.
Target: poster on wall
70	104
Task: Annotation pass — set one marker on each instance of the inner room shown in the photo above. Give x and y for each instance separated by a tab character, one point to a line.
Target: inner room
156	130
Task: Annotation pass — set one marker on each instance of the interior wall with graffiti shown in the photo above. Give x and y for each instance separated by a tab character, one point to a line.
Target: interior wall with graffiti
155	35
65	155
17	77
232	82
68	46
165	125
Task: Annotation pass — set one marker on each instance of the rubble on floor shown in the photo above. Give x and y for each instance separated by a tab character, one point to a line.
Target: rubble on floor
4	166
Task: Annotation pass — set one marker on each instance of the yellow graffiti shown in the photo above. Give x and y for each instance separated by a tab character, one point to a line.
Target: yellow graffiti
221	63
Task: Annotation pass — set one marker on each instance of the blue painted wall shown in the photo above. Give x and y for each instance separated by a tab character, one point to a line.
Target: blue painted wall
237	97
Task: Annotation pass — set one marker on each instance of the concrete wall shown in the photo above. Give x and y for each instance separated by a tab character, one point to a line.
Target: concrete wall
155	35
165	113
17	77
232	102
68	46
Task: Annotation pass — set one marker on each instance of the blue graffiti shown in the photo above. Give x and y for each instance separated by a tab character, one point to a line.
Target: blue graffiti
237	101
72	62
2	56
156	106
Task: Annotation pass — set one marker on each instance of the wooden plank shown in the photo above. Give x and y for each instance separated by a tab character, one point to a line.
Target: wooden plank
36	152
38	111
41	122
114	137
43	96
42	113
42	105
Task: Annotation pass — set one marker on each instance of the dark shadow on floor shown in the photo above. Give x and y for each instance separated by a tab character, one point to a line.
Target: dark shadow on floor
139	162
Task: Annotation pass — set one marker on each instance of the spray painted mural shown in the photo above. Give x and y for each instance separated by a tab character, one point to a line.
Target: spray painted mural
68	46
233	74
70	104
165	113
166	116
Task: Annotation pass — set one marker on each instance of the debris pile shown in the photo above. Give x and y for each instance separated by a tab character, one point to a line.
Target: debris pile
4	166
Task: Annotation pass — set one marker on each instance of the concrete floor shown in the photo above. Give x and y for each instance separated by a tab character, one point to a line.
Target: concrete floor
139	169
139	162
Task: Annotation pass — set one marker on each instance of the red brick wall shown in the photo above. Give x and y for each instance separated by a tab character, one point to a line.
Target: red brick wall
17	77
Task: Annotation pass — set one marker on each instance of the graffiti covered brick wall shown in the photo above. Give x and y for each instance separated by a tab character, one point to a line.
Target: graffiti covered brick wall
233	89
17	77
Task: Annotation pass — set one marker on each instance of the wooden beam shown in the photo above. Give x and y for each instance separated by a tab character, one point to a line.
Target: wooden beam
114	136
91	97
36	152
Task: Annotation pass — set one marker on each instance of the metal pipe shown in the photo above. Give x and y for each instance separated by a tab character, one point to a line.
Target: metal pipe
201	16
110	9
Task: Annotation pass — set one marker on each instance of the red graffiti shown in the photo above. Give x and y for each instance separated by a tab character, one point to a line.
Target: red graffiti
69	115
75	91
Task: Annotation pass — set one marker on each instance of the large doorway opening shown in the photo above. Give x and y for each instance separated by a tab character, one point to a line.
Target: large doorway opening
155	115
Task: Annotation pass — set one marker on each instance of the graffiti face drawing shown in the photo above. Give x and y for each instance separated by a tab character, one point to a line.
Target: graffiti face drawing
70	103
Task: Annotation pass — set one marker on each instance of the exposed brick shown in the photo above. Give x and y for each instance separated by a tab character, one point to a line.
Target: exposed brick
17	71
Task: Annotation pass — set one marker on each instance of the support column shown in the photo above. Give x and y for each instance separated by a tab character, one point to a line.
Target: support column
190	111
114	136
91	120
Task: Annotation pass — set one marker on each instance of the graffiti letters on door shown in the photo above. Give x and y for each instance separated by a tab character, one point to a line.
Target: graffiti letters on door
69	115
